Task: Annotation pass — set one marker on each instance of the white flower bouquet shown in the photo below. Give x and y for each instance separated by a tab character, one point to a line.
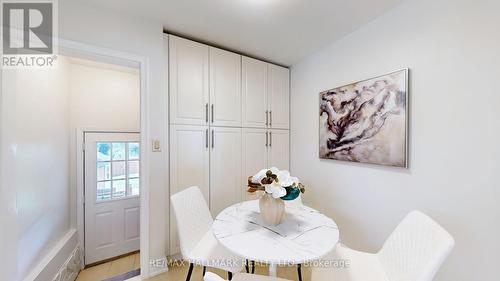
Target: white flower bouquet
278	184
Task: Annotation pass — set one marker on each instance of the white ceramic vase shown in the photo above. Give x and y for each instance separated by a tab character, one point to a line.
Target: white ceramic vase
272	210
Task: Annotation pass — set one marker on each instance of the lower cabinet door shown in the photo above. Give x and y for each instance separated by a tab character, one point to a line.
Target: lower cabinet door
279	149
254	152
225	168
189	166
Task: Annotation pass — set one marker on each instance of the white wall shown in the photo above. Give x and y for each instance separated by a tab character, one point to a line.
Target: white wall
103	97
452	48
8	229
35	105
83	23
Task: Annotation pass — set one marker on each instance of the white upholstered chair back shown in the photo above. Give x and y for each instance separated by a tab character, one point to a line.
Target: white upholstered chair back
193	217
416	249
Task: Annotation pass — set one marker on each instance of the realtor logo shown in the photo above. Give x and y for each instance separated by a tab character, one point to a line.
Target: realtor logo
28	33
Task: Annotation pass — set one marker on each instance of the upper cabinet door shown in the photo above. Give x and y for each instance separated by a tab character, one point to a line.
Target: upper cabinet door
225	168
279	97
254	92
188	70
225	88
279	149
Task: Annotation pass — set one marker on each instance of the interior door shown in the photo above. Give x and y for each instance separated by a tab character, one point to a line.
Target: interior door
279	149
112	205
254	93
188	70
225	88
279	96
254	152
225	168
189	166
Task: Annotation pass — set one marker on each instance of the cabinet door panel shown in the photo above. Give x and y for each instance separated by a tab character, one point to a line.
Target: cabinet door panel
254	153
188	70
189	166
279	96
225	88
225	168
279	149
254	92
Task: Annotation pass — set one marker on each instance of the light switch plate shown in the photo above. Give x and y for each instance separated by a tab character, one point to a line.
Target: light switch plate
156	146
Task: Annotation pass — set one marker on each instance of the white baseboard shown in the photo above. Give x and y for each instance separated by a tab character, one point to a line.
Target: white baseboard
62	263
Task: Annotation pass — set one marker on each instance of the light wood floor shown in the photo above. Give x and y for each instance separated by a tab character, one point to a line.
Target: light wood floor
110	269
175	273
179	273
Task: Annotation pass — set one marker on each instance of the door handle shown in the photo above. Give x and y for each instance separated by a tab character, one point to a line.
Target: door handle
270	138
270	118
206	138
212	113
213	139
267	118
267	139
206	112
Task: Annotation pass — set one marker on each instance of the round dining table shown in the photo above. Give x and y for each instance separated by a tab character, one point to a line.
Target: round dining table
305	235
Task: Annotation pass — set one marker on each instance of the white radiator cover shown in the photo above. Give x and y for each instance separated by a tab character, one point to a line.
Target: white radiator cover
70	269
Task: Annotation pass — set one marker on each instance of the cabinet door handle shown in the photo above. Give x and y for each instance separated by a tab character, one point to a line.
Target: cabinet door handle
267	118
213	139
206	138
270	138
267	139
206	112
212	113
270	118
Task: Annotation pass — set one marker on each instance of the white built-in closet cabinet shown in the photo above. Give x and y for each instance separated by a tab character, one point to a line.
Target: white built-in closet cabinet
229	117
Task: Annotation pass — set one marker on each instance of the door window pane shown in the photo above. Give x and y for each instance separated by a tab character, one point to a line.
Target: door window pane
103	151
119	170
133	169
118	151
133	150
103	171
103	190
119	188
134	187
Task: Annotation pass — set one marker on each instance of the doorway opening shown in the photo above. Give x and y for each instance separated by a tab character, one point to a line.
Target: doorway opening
105	126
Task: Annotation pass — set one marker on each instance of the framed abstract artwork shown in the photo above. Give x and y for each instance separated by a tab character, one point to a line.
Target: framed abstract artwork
366	121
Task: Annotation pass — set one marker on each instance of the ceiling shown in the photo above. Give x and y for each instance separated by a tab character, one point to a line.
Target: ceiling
280	31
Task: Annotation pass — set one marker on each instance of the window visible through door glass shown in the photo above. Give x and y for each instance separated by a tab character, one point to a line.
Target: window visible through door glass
133	169
133	150
103	151
134	186
119	188
103	171
118	151
118	169
103	190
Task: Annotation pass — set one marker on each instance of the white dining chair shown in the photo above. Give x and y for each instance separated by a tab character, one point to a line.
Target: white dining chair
413	252
209	276
197	242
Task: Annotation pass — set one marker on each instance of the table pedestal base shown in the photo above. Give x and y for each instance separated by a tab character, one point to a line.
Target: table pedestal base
273	270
